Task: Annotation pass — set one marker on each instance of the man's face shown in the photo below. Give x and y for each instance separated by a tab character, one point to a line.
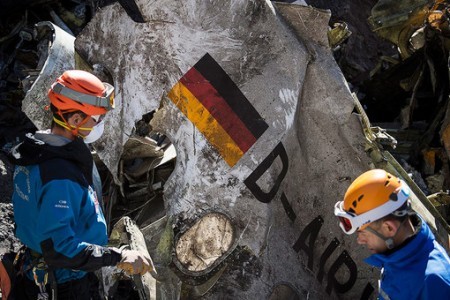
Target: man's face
90	122
372	242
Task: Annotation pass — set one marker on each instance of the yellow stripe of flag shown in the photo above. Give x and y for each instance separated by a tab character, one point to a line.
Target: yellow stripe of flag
205	123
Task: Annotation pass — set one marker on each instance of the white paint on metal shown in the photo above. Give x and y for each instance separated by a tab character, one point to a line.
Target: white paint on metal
60	58
279	59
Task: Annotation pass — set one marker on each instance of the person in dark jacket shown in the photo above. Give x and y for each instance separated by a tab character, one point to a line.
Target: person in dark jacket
57	211
413	265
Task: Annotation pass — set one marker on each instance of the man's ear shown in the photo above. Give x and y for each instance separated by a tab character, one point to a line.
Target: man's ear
390	227
75	119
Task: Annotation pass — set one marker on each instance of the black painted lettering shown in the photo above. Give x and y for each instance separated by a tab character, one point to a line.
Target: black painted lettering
311	230
343	259
251	180
368	290
288	208
325	255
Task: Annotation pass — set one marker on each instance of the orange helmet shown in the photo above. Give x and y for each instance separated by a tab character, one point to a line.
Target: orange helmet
372	196
81	90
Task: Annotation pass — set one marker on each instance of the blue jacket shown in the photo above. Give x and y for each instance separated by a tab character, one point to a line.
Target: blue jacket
419	269
56	209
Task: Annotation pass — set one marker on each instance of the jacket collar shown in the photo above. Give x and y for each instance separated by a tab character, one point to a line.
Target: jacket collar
407	252
34	150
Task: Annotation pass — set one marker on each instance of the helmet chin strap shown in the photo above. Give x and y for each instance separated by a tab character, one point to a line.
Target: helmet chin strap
73	129
388	241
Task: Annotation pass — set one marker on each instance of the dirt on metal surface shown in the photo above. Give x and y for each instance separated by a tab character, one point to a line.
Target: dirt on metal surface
255	221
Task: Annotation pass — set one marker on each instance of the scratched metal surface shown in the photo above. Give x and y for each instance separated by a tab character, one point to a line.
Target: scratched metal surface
279	194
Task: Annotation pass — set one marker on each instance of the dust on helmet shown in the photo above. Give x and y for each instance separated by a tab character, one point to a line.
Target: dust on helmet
372	196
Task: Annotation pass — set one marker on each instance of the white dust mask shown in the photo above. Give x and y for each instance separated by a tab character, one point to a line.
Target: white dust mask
95	133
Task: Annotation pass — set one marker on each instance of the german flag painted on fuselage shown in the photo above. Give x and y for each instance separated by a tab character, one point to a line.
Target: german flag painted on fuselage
212	101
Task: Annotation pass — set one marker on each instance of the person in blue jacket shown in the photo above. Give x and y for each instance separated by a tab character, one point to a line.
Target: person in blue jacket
413	265
57	211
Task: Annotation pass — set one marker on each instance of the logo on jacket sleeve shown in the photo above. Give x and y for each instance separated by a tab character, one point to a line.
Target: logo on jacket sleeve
62	204
93	197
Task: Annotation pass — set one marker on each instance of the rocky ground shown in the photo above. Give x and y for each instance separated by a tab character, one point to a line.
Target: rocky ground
8	242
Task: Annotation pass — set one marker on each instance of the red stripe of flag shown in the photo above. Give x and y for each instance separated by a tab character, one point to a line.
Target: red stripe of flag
218	108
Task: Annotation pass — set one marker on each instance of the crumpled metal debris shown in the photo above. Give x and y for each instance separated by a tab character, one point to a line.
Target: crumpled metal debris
338	34
145	165
441	200
31	40
203	183
55	52
397	21
382	158
295	103
413	89
126	233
